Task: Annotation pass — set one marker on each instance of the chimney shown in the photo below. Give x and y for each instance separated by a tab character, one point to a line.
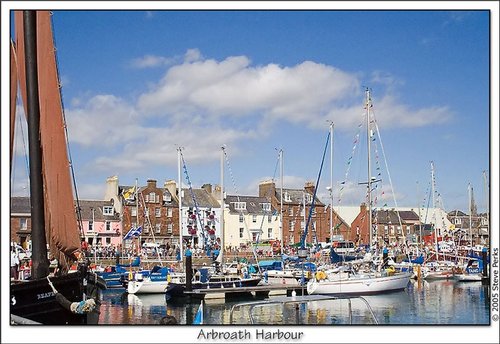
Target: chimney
151	184
171	187
362	208
267	189
309	187
112	193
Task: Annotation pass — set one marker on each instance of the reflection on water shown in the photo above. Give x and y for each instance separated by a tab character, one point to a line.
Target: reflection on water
438	302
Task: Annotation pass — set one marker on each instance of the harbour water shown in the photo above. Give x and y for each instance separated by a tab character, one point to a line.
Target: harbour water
430	303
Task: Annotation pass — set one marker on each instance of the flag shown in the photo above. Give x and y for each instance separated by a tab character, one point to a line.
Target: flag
133	233
198	319
129	193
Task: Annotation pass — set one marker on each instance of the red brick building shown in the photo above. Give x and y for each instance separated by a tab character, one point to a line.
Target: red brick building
156	210
295	215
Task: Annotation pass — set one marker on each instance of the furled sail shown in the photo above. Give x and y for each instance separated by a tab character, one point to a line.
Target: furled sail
13	97
60	218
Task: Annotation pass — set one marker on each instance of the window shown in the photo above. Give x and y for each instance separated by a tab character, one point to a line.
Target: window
23	223
146	212
269	218
458	221
287	197
313	225
241	218
386	230
255	236
167	197
290	211
108	225
169	228
392	230
269	232
254	218
266	206
133	211
91	226
108	241
484	221
308	198
292	225
302	211
302	225
157	228
157	212
241	233
169	212
240	205
107	210
399	230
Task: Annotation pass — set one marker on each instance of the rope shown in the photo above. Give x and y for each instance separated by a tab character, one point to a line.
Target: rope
81	307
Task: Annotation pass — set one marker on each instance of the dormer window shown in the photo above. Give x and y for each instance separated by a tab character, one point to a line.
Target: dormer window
266	206
308	198
107	210
167	197
287	197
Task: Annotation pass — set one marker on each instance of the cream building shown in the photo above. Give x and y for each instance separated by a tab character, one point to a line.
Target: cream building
249	219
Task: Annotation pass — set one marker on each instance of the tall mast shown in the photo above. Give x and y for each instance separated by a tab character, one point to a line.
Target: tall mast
221	251
39	242
331	181
137	214
180	197
470	215
434	210
368	137
486	196
281	201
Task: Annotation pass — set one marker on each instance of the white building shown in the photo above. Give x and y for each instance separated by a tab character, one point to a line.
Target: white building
249	219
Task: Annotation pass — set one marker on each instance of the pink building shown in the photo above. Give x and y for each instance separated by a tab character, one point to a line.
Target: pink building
101	223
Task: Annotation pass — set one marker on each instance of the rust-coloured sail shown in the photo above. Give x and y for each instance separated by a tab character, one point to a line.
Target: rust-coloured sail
60	218
13	97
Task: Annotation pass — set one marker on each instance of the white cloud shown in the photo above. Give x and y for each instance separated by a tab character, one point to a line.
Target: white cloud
150	61
201	104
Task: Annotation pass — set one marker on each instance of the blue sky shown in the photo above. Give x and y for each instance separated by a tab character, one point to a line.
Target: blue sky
138	83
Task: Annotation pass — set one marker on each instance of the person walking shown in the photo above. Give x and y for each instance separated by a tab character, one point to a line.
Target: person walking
14	263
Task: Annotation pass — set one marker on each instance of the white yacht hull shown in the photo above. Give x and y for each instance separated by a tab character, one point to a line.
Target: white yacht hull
362	285
146	286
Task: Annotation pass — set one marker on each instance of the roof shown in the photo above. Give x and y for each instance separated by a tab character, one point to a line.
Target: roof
392	216
203	199
457	213
20	205
347	213
86	207
296	196
253	204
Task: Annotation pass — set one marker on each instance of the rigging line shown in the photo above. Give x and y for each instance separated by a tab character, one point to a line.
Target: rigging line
148	218
388	172
70	159
25	151
200	220
304	236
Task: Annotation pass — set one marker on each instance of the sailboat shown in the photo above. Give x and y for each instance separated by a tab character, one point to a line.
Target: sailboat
346	280
68	297
438	269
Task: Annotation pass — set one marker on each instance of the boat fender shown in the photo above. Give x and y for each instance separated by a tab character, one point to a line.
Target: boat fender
390	270
320	275
81	307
